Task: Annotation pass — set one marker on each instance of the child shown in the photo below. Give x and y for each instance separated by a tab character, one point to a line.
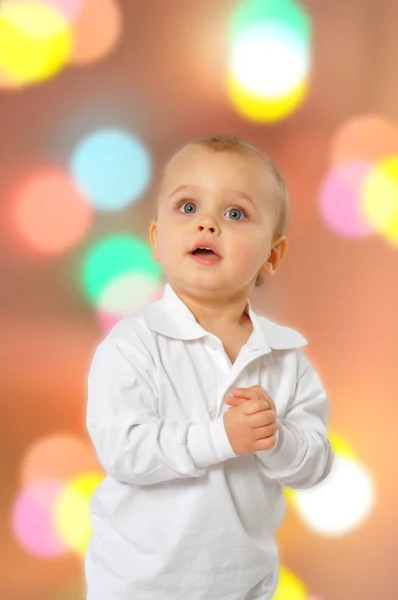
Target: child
199	409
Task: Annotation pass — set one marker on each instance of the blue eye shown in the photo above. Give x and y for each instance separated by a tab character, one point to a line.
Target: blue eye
187	204
189	208
236	211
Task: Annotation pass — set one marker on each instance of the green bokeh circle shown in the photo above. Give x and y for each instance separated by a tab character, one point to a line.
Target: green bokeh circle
286	12
113	257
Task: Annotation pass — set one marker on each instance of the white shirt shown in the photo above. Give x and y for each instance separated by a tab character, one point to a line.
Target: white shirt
181	516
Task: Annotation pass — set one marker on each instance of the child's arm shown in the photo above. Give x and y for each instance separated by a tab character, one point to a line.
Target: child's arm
302	456
133	443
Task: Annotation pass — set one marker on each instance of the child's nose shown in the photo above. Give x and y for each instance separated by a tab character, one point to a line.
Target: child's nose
208	222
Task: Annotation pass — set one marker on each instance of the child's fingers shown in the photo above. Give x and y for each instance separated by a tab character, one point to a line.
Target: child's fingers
254	392
245	392
255	405
249	406
234	401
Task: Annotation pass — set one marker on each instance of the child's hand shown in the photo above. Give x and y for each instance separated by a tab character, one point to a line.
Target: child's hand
251	426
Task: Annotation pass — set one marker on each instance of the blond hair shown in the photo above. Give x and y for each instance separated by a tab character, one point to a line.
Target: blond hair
230	143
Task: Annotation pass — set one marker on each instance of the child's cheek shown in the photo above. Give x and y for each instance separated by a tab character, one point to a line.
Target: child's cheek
245	251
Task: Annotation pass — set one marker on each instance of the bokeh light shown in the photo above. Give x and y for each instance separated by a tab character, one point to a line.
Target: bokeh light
8	83
113	167
261	75
380	198
115	257
342	449
35	41
269	60
127	293
109	319
359	196
341	502
158	295
364	138
72	511
289	587
58	456
264	110
341	199
68	8
49	212
97	29
33	519
51	515
286	12
340	446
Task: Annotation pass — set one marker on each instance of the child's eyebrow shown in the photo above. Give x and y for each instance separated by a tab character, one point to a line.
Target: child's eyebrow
185	187
245	196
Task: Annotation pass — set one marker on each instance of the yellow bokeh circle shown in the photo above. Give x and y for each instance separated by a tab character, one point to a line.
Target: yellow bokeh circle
35	41
341	447
380	198
289	587
261	109
72	511
289	494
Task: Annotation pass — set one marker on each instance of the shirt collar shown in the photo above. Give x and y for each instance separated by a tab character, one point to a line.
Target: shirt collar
172	318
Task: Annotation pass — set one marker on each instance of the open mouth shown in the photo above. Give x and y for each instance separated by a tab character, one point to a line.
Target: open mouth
203	252
205	256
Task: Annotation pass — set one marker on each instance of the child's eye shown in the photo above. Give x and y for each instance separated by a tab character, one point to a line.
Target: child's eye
182	205
189	208
236	213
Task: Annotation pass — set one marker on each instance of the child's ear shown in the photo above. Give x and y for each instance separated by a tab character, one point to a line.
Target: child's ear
275	257
153	236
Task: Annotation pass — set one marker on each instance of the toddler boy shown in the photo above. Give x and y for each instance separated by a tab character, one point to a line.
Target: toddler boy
200	410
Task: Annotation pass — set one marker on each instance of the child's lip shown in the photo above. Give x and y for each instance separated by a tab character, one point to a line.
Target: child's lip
212	259
205	244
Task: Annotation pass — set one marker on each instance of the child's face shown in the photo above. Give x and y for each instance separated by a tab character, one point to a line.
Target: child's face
201	199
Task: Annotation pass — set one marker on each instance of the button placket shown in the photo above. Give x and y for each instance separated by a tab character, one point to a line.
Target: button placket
230	381
222	370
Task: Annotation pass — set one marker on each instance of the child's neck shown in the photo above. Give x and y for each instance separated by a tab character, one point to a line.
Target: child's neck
217	314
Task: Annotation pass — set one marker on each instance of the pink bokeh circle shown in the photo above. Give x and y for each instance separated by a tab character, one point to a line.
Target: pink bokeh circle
69	8
158	295
33	519
108	320
340	199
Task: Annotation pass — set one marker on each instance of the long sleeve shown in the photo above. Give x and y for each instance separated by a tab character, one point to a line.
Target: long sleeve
133	443
301	457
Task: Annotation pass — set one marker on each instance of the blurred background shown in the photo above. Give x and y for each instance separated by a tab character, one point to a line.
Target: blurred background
94	97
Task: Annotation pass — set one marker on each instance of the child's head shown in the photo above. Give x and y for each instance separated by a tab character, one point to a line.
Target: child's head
223	191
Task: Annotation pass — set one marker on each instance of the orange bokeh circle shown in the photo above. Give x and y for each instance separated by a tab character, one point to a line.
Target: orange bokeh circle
366	137
59	456
49	212
97	29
